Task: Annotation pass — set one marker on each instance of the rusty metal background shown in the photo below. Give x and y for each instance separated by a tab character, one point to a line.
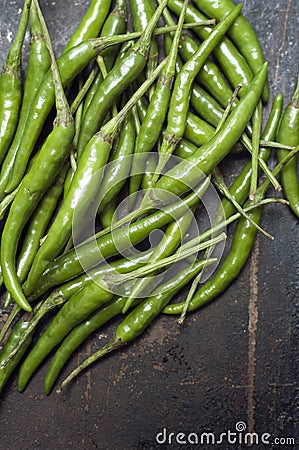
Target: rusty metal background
234	361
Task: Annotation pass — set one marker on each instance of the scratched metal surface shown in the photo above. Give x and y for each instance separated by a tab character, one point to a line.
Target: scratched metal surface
234	361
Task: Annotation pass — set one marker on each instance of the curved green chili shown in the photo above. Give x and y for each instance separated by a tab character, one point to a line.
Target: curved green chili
240	187
118	169
81	304
118	79
142	11
209	75
237	257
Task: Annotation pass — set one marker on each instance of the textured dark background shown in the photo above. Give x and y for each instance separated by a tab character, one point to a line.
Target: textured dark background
235	360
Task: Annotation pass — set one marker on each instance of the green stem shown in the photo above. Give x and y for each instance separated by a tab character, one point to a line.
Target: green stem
256	135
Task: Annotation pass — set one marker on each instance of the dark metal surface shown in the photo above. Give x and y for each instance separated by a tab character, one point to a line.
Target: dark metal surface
235	360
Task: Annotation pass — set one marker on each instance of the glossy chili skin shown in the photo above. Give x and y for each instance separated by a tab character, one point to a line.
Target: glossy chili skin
231	61
13	339
80	333
142	11
245	232
197	131
229	269
38	66
61	295
77	336
83	303
47	163
68	266
202	102
173	236
179	102
80	202
91	24
152	123
240	187
144	313
125	70
241	33
209	76
288	133
180	97
119	167
11	86
70	65
210	154
84	185
34	185
138	319
116	23
38	225
178	179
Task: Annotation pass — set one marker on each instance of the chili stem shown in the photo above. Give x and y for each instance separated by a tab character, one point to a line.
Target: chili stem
256	135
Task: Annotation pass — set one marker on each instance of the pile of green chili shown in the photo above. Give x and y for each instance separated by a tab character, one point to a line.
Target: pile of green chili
150	98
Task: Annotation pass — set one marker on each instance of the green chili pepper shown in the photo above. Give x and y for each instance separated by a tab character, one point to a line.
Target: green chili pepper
47	164
142	11
77	336
37	226
12	341
288	133
237	257
123	73
84	187
81	304
11	86
68	266
209	76
180	97
152	124
137	320
232	63
62	294
240	187
174	234
241	33
91	24
70	64
119	168
116	23
38	65
210	154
